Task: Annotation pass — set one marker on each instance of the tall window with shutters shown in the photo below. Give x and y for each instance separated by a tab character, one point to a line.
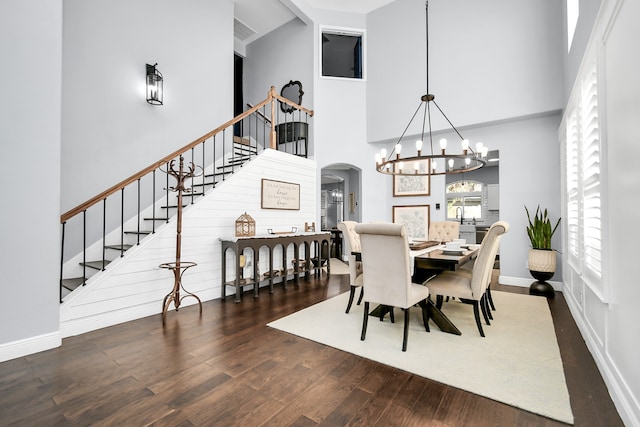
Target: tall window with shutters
582	160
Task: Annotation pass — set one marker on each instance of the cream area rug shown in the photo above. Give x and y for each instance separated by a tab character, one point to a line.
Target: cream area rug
338	267
517	363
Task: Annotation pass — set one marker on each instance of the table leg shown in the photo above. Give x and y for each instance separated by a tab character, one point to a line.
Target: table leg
256	281
440	319
223	291
270	269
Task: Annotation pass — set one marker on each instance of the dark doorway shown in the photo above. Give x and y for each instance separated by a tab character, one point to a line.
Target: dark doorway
238	98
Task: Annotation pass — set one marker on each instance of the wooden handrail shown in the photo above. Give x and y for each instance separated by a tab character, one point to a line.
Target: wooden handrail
265	118
293	104
112	190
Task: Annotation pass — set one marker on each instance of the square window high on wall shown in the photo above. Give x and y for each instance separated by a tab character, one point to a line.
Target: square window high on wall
342	53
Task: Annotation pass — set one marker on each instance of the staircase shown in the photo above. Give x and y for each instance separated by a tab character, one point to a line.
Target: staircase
243	152
133	286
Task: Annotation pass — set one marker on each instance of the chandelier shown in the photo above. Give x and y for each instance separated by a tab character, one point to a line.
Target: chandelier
431	162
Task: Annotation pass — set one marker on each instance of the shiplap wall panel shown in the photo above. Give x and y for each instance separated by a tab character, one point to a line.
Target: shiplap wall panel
134	286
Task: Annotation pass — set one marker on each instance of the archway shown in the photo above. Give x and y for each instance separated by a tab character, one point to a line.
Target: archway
340	191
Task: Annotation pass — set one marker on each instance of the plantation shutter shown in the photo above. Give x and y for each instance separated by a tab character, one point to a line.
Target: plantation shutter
573	191
591	175
582	166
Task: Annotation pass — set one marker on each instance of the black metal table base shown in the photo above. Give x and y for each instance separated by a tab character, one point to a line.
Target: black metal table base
435	314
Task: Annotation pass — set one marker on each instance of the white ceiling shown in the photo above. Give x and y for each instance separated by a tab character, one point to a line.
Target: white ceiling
357	6
255	18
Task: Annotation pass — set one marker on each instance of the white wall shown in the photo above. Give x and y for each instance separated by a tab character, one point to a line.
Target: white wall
275	59
354	116
588	11
105	115
30	83
487	61
609	321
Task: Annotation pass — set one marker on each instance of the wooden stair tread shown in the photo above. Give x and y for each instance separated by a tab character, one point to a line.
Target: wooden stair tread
245	151
119	247
241	160
95	264
213	175
206	183
241	140
231	166
72	283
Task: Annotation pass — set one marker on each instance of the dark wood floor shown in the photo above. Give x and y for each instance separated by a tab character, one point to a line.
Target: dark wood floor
228	368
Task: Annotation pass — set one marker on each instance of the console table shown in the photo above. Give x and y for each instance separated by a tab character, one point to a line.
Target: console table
306	239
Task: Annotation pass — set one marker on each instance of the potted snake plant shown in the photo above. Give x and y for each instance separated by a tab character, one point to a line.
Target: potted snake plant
542	258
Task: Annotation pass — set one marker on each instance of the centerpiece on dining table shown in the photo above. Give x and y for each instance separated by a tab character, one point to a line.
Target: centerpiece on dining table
454	247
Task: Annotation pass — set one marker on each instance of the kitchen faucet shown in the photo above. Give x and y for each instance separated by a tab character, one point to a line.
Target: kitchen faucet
459	209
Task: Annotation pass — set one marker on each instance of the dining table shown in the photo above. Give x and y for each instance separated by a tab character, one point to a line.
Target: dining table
434	260
430	261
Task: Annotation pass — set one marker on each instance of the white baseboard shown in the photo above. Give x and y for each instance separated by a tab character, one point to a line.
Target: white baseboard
15	349
86	324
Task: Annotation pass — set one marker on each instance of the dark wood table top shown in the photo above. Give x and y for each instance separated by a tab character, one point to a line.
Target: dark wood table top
441	258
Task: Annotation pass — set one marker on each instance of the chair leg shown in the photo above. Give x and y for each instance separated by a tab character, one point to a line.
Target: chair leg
483	307
425	314
352	292
488	307
384	309
361	294
476	313
406	329
493	307
439	300
364	320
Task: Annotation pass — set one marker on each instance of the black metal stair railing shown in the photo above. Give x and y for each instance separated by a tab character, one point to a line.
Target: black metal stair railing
120	217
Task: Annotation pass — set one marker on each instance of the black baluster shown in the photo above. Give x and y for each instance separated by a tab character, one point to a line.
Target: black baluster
203	165
84	247
62	260
122	222
214	161
104	231
167	193
138	232
193	161
153	204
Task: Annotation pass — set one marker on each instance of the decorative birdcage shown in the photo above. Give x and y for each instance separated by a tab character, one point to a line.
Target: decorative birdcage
245	226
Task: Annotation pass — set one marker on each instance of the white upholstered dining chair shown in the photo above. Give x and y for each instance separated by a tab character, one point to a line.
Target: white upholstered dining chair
351	243
444	231
470	287
386	268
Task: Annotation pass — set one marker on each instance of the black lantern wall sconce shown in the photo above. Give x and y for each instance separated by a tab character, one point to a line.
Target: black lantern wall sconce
154	85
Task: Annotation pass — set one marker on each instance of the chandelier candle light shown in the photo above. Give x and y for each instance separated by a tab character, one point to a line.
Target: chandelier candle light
431	163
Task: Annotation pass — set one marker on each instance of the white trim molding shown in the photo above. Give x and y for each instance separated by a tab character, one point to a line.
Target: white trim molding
15	349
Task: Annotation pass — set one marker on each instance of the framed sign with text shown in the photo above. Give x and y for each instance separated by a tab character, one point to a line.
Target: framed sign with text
280	195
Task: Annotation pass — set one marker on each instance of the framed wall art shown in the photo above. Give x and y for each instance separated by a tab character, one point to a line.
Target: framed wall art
280	195
407	185
415	218
352	202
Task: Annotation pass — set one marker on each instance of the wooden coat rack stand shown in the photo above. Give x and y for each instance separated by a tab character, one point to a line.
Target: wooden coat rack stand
178	267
